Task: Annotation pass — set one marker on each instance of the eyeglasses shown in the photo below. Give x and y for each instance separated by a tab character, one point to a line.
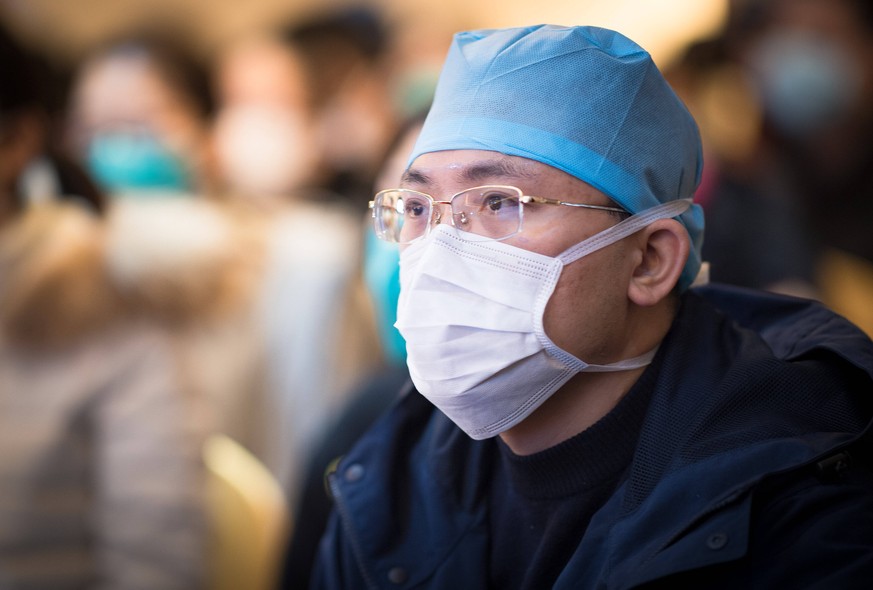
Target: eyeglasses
492	212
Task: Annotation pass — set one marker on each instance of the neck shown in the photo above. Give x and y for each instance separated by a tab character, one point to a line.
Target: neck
588	397
580	403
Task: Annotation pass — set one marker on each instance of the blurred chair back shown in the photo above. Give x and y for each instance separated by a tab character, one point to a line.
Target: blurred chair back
249	518
847	287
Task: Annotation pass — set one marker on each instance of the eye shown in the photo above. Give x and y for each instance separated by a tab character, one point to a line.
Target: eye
415	208
495	201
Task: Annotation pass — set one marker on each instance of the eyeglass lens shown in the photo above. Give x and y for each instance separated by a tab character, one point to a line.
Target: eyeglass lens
491	212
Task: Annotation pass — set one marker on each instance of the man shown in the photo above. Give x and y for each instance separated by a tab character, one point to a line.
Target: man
585	418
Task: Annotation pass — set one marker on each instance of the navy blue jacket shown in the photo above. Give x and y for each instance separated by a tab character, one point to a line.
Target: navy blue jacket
752	470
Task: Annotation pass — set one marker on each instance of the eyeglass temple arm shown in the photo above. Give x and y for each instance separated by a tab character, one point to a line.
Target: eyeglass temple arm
543	200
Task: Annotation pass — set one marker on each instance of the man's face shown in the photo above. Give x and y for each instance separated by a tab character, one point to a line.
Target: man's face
584	315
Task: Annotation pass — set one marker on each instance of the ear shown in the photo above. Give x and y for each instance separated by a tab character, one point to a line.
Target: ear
664	247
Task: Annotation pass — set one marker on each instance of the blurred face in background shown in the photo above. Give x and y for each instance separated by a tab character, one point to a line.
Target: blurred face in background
132	128
262	138
812	62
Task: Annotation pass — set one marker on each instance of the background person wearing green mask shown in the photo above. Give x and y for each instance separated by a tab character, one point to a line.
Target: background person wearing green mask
138	118
101	478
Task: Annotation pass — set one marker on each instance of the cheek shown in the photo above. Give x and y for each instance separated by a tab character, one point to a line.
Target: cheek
549	239
584	312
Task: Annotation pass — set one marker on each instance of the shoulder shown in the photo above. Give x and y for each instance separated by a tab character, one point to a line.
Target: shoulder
754	392
804	530
791	327
809	528
54	289
738	340
182	259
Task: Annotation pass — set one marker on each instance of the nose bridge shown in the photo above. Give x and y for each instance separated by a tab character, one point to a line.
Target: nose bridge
438	208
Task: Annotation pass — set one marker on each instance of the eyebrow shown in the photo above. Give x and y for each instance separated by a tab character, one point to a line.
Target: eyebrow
475	172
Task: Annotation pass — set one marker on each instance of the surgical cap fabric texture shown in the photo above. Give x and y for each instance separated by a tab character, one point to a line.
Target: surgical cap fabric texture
586	100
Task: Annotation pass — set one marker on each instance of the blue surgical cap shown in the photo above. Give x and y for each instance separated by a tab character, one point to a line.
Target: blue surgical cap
586	100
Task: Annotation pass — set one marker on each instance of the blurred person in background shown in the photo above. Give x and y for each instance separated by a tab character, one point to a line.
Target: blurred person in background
347	56
381	260
101	477
262	134
784	97
372	395
317	320
138	117
810	63
35	167
771	249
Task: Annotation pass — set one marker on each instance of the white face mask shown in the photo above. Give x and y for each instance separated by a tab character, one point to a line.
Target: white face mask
471	313
262	151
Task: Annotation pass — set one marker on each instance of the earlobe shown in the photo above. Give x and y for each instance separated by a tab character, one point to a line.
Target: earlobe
664	247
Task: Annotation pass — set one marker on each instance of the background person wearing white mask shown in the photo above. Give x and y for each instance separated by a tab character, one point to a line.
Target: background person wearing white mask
587	418
262	136
317	320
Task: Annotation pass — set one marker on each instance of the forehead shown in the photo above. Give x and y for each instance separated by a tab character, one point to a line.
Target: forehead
461	167
124	89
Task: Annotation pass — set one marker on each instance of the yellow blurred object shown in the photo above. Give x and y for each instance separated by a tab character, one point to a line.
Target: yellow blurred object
249	518
847	287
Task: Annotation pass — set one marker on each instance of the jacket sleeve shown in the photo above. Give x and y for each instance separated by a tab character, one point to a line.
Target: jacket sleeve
818	534
149	519
808	532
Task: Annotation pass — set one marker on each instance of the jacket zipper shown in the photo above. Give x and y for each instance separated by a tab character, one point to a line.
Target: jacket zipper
350	533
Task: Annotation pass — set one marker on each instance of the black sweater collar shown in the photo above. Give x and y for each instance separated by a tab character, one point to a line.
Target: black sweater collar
594	457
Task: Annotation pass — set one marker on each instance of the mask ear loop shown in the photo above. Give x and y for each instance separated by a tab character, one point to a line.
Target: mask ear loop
625	365
625	228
